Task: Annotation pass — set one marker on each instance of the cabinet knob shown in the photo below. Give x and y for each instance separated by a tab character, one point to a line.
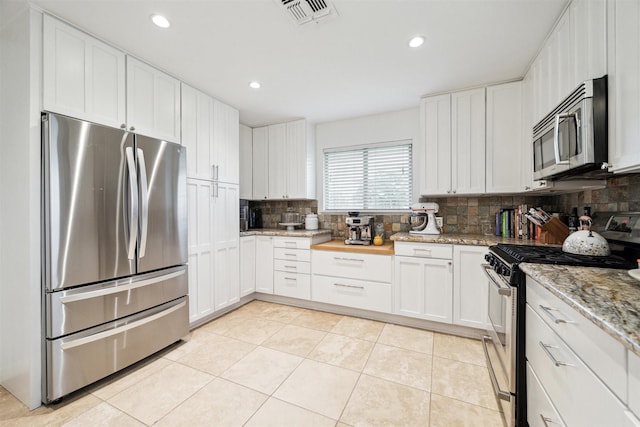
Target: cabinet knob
541	183
132	128
454	191
123	126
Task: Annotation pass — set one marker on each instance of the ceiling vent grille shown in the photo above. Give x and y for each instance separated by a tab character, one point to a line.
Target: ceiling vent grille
306	11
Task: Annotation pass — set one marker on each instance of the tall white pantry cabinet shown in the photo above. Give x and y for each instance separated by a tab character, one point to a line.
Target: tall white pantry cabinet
211	139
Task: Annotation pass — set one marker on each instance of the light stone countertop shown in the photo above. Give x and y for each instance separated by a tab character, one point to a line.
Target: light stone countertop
609	298
283	232
462	239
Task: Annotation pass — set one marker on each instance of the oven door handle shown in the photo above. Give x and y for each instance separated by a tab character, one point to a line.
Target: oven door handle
504	395
502	290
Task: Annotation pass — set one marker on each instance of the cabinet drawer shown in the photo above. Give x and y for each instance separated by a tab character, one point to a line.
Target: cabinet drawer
292	266
602	353
353	265
424	250
634	383
540	410
292	254
293	285
580	397
291	242
352	293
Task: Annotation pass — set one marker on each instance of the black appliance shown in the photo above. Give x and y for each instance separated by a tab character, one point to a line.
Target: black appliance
255	218
504	345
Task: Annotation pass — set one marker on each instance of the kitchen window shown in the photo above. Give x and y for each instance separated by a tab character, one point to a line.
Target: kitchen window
375	177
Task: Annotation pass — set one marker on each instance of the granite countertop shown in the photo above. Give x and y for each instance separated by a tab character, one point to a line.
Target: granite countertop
609	298
283	232
462	239
338	245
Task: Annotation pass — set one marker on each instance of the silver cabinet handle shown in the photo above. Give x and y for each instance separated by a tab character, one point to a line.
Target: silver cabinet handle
342	285
555	361
217	172
556	320
133	202
291	243
290	254
546	420
290	278
338	258
503	395
123	126
132	128
144	206
291	266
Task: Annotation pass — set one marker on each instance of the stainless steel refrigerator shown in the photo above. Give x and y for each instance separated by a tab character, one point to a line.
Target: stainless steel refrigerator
114	250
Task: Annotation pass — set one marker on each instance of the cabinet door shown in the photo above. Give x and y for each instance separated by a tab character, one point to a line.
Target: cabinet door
264	264
468	142
424	288
153	102
201	251
296	155
247	265
560	61
246	162
435	155
504	138
624	85
260	163
589	39
226	128
82	77
277	161
526	165
226	244
197	132
470	287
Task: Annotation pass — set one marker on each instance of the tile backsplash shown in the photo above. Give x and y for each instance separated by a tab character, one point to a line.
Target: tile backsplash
471	215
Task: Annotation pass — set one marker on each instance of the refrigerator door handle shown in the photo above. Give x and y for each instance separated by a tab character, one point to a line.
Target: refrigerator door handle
133	203
144	206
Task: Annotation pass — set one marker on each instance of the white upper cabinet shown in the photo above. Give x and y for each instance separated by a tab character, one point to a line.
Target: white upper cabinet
468	142
197	132
82	77
226	141
589	39
624	86
260	158
246	162
504	138
153	102
299	164
278	161
435	161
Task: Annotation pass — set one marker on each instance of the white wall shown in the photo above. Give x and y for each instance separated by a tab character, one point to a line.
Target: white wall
392	126
20	296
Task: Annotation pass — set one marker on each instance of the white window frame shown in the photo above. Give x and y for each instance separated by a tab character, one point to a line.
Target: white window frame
411	184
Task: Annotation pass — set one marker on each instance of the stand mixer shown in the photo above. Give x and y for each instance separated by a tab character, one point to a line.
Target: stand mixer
423	218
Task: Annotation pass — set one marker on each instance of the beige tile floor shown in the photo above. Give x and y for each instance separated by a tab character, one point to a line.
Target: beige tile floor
274	365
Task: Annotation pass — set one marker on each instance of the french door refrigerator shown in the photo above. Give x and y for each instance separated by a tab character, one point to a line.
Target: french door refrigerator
114	210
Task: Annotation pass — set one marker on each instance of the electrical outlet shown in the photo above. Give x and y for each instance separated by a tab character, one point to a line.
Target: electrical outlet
439	221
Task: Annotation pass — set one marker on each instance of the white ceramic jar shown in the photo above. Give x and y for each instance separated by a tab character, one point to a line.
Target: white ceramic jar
311	222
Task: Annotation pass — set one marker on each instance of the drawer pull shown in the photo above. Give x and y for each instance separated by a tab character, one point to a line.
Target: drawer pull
546	420
291	243
290	278
555	361
556	320
339	258
426	251
290	254
348	286
290	266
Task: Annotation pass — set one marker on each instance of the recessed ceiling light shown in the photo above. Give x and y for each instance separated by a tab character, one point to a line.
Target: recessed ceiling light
160	21
416	41
254	85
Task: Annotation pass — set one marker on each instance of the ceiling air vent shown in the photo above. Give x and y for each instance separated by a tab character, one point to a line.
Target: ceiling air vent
306	11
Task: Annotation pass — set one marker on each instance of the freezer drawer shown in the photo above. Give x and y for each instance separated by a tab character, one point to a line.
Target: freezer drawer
81	308
77	360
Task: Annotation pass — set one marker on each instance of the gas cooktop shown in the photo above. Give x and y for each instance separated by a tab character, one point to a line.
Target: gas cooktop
515	254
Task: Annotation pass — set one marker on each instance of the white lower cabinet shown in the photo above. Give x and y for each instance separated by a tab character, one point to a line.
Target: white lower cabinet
634	382
247	265
469	287
200	248
264	264
424	288
291	264
226	273
540	410
352	279
564	368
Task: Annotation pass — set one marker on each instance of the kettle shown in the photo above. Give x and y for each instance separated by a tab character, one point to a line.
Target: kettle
585	241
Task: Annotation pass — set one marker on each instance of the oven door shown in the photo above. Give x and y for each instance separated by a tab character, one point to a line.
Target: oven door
499	343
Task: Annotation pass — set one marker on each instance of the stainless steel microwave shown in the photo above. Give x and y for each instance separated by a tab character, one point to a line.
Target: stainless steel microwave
572	140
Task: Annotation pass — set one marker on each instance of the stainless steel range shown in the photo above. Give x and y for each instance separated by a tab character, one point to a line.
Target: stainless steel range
504	344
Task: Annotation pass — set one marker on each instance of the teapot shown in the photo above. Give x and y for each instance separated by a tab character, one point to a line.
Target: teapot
585	241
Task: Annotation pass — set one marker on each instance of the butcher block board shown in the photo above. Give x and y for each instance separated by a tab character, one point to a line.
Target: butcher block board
338	245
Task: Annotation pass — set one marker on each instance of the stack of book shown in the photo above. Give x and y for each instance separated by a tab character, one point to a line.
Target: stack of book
512	222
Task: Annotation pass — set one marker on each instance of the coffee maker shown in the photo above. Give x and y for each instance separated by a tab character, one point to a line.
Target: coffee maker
359	229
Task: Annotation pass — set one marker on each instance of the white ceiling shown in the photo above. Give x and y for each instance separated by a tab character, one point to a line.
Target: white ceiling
355	64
